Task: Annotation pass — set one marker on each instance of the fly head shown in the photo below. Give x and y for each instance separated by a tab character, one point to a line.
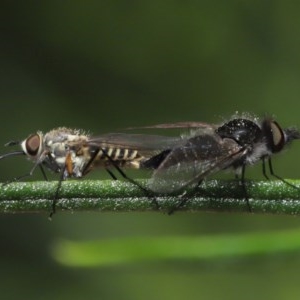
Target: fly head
276	137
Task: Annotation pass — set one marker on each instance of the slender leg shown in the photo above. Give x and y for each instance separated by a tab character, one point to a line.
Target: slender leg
278	177
23	176
54	202
243	184
43	172
113	176
93	157
86	168
264	168
184	199
146	191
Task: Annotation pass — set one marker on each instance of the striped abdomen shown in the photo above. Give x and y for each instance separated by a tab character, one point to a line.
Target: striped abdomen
119	154
98	156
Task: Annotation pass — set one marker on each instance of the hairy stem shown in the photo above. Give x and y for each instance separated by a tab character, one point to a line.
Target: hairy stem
112	195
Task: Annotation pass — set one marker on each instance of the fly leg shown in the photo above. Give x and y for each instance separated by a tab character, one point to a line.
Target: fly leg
68	167
185	196
278	177
43	172
23	176
113	176
264	168
54	202
89	164
115	165
244	189
148	193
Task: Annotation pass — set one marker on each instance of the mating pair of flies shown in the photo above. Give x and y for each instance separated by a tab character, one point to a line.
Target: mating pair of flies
177	163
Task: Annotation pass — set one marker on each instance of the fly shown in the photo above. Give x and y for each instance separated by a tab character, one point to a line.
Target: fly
73	153
211	148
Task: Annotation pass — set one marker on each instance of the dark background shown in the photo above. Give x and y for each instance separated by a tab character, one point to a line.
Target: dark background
106	65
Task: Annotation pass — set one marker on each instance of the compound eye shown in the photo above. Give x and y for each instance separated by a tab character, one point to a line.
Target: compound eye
277	134
274	135
32	144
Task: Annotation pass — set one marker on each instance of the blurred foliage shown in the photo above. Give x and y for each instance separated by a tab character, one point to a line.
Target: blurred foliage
135	250
106	65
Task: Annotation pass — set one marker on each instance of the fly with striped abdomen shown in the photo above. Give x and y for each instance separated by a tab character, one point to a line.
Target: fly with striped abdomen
73	153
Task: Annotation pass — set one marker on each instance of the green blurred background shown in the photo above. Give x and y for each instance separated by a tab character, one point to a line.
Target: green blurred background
106	65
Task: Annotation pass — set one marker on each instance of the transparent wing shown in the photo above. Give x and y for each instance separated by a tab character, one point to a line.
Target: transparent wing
144	143
188	164
178	125
141	141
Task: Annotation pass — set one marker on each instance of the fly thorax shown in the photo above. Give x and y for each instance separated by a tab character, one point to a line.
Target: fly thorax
77	162
65	135
57	149
245	132
59	141
257	152
78	165
60	161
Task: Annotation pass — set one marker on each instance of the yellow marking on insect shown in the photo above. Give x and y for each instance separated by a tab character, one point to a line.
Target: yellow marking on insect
109	151
117	153
133	154
125	154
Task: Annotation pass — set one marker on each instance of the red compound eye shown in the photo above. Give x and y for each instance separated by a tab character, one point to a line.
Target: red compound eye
33	144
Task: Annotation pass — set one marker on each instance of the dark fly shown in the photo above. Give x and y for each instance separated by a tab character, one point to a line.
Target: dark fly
210	148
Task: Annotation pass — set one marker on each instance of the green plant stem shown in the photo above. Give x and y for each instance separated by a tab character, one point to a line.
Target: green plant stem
108	195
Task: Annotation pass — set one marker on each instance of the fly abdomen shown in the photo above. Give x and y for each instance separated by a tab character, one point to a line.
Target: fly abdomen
118	154
127	155
155	161
133	154
115	154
